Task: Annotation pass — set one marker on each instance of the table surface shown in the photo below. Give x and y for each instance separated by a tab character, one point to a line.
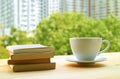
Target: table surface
109	69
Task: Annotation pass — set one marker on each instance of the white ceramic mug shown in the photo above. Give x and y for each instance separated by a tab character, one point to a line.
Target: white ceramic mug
87	48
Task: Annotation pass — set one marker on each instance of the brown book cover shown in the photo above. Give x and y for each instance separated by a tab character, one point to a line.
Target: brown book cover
33	67
31	61
32	56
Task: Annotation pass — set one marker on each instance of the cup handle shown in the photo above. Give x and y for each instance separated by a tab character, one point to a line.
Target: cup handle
108	45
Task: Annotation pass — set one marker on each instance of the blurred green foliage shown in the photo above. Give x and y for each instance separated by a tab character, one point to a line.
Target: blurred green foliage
57	29
16	36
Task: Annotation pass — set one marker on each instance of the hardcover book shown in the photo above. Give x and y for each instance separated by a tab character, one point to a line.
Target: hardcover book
31	61
32	67
29	48
32	56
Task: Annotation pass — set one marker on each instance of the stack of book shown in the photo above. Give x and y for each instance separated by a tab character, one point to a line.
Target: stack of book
30	57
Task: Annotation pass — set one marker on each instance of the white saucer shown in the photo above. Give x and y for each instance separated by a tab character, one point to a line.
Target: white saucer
97	59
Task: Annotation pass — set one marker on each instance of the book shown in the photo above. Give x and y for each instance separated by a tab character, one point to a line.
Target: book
33	67
28	48
31	61
32	56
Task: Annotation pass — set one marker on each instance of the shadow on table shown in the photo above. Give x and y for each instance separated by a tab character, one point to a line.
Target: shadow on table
86	65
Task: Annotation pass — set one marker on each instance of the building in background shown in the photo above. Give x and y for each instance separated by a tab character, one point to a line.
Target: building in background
5	14
102	8
93	8
117	8
25	14
53	6
62	6
98	8
78	6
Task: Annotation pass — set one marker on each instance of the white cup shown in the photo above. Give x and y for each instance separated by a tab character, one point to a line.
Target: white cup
87	48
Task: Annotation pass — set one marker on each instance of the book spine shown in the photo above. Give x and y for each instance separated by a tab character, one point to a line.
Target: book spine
34	61
32	56
33	67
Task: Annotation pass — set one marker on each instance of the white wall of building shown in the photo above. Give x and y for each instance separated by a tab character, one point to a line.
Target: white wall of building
25	14
53	6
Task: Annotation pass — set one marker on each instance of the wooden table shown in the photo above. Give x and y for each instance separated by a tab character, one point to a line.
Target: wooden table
109	69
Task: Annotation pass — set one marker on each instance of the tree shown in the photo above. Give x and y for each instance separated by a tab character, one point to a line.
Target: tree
57	29
18	36
0	25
